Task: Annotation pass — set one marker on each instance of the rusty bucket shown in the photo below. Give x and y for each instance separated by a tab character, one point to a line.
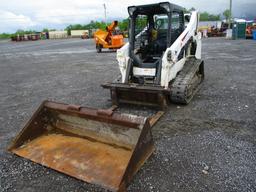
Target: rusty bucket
102	147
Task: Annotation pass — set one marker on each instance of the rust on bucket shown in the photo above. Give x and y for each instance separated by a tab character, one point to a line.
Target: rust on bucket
103	148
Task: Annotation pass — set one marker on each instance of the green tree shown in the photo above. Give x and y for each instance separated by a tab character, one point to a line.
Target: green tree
227	14
91	25
124	24
5	36
205	16
68	29
214	17
23	32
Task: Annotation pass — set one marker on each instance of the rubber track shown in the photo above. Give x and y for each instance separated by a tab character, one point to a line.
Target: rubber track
187	82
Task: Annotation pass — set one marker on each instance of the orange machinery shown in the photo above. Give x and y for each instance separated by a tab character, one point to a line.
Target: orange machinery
107	39
249	29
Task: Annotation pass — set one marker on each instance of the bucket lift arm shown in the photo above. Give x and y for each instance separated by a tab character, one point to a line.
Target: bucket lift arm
171	64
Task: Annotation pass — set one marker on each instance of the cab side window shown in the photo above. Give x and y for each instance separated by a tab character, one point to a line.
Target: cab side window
175	21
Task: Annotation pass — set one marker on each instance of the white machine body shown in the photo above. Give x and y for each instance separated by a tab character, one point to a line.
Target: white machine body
171	65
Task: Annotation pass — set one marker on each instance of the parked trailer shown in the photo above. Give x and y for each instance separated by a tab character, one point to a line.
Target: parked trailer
58	34
26	37
84	34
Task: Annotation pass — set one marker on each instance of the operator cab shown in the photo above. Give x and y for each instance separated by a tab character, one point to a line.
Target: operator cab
153	28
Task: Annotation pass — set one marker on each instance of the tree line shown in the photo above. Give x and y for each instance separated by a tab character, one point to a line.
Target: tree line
123	25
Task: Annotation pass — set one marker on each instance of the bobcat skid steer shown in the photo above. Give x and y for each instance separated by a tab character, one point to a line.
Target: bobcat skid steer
162	60
102	146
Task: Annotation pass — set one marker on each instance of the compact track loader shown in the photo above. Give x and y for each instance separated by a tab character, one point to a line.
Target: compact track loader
162	60
101	146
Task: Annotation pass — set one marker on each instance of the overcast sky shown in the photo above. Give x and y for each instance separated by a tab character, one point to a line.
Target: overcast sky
39	14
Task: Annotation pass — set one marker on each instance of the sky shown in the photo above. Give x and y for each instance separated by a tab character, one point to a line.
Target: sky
39	14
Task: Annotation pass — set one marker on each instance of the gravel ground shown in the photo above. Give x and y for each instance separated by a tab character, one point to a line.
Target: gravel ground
215	132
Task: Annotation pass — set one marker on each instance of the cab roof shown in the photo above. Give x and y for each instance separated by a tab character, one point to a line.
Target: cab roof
152	9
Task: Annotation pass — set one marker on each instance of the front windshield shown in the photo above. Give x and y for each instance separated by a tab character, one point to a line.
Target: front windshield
141	24
161	22
150	32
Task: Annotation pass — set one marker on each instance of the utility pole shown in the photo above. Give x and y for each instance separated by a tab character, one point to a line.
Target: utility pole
230	14
105	13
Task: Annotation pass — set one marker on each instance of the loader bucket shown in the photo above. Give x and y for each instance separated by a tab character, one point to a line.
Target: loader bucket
102	147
